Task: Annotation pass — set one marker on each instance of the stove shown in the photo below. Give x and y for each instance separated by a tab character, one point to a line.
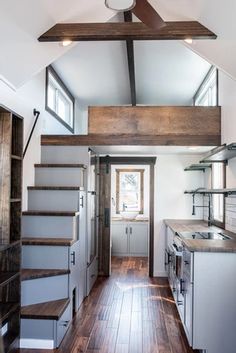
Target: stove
204	235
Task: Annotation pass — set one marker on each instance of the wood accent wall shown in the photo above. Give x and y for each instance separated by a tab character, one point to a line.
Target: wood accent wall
198	123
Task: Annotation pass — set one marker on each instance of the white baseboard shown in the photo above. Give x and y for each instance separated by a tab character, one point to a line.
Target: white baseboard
36	343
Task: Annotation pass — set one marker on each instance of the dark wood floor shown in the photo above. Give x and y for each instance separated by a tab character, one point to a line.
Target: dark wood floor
126	313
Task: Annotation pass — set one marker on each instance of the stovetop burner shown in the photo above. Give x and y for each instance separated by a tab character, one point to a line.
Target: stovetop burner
204	235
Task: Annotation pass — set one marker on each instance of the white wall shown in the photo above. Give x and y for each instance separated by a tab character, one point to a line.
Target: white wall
170	201
22	102
146	186
227	100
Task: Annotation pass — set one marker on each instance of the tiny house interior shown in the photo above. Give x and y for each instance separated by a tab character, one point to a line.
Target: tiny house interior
117	176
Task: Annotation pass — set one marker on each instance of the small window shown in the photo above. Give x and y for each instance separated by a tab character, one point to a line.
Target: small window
59	101
218	182
129	190
207	94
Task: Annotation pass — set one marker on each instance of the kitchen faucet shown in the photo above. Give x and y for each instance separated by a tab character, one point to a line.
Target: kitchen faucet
209	206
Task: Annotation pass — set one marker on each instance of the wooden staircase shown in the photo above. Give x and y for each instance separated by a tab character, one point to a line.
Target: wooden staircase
53	275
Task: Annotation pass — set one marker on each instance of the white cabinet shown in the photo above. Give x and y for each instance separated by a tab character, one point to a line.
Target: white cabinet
138	239
130	238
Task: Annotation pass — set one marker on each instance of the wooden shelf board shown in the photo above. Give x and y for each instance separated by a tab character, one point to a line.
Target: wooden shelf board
51	310
15	200
6	277
69	165
52	188
221	154
48	241
4	247
29	274
50	213
18	158
6	309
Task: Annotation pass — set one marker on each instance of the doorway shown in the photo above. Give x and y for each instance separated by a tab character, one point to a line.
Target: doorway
126	227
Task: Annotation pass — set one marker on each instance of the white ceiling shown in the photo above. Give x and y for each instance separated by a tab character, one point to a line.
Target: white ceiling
21	22
167	73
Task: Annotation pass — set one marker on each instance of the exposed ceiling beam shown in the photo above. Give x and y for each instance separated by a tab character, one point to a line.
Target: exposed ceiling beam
125	31
131	64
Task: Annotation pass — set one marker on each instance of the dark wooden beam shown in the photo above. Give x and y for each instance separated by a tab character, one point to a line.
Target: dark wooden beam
124	31
131	140
131	64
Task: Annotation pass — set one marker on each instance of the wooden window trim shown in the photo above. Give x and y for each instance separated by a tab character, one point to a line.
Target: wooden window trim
204	82
51	70
141	171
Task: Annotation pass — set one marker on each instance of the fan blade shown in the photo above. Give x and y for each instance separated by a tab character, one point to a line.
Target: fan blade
148	15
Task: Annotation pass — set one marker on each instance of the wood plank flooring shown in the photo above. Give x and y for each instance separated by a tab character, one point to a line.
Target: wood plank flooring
126	313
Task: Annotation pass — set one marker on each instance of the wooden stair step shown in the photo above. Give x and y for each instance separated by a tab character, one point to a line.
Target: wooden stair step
56	165
28	274
51	310
48	241
56	188
50	213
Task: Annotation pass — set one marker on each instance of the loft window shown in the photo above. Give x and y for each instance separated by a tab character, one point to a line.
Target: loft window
218	182
129	190
207	94
59	100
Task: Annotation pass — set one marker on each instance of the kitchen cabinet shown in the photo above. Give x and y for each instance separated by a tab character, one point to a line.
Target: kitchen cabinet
130	238
204	293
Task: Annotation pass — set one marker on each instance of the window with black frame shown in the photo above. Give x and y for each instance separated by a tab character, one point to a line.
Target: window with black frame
59	100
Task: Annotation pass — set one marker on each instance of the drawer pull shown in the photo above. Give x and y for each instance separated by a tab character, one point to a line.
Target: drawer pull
73	258
65	323
82	202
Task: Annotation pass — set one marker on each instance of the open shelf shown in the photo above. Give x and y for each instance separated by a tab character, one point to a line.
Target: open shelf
220	154
11	146
212	191
7	309
198	167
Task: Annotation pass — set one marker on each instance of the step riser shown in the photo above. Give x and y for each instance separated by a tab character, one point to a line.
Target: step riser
55	200
45	257
64	154
44	289
59	177
50	226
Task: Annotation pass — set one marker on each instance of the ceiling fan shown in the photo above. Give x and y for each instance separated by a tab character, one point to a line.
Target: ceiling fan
141	9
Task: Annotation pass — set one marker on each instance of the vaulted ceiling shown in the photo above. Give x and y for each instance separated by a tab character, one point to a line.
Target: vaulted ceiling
21	22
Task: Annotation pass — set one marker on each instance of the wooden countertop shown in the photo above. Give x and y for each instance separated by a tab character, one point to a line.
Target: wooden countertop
186	225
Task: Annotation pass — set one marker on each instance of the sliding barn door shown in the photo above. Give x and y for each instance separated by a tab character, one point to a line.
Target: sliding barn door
104	218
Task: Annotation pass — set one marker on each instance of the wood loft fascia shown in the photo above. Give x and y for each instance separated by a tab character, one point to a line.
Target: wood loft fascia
126	31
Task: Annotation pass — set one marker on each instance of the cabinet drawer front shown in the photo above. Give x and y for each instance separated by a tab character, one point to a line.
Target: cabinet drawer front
63	324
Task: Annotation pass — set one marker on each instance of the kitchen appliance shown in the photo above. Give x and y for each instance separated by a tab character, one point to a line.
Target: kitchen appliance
203	235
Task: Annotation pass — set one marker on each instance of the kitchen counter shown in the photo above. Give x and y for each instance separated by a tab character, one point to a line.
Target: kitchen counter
201	245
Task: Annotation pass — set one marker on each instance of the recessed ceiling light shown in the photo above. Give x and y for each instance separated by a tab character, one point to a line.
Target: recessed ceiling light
188	40
66	42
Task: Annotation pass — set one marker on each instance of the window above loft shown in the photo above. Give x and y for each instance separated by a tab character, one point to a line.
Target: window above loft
59	100
129	190
207	94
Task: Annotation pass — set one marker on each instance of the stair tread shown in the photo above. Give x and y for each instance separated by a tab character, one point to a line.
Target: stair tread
51	310
50	213
59	165
48	241
28	274
80	188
